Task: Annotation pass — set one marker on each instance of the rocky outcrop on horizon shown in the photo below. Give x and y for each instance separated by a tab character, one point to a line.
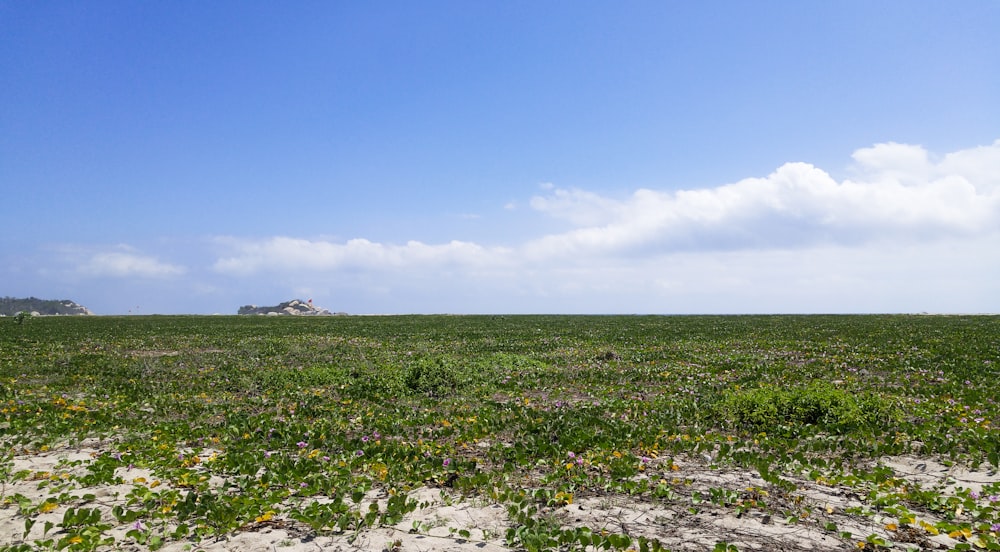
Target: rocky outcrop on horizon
9	306
295	307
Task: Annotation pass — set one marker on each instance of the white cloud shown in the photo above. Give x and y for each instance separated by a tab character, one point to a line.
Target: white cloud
125	263
895	162
907	231
980	165
899	195
577	206
285	254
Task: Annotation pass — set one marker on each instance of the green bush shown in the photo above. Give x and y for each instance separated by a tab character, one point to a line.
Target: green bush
376	382
436	376
818	404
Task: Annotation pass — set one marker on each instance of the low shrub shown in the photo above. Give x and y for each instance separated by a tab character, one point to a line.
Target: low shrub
818	404
436	376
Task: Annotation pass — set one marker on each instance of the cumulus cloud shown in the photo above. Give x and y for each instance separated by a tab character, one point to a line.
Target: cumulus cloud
899	194
126	263
905	227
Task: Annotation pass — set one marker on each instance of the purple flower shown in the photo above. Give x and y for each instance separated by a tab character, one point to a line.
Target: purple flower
267	454
571	454
138	526
302	444
994	498
359	453
995	527
974	495
446	462
303	484
364	439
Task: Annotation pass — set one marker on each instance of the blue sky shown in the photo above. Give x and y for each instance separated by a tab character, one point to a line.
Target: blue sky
502	157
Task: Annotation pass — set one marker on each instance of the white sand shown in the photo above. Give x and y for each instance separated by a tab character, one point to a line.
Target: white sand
436	526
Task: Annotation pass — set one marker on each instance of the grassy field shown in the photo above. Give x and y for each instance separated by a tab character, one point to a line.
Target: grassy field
576	432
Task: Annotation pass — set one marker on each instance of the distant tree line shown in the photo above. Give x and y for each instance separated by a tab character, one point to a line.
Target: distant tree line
9	306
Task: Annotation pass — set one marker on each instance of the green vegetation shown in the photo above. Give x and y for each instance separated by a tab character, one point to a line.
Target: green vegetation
244	420
819	403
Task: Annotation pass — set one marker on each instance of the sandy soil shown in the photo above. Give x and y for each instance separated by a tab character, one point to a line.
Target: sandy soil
677	523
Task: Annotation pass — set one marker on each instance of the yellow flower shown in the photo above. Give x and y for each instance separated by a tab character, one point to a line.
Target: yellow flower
929	528
964	532
48	507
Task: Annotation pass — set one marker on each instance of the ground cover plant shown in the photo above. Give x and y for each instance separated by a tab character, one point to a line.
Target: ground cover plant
500	432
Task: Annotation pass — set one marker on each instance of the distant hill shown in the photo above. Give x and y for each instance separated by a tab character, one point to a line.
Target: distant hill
9	306
295	307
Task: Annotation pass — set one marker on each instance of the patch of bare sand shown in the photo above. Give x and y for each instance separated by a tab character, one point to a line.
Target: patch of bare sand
932	474
752	516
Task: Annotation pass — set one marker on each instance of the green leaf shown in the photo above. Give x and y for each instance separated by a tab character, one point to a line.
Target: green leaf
28	523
